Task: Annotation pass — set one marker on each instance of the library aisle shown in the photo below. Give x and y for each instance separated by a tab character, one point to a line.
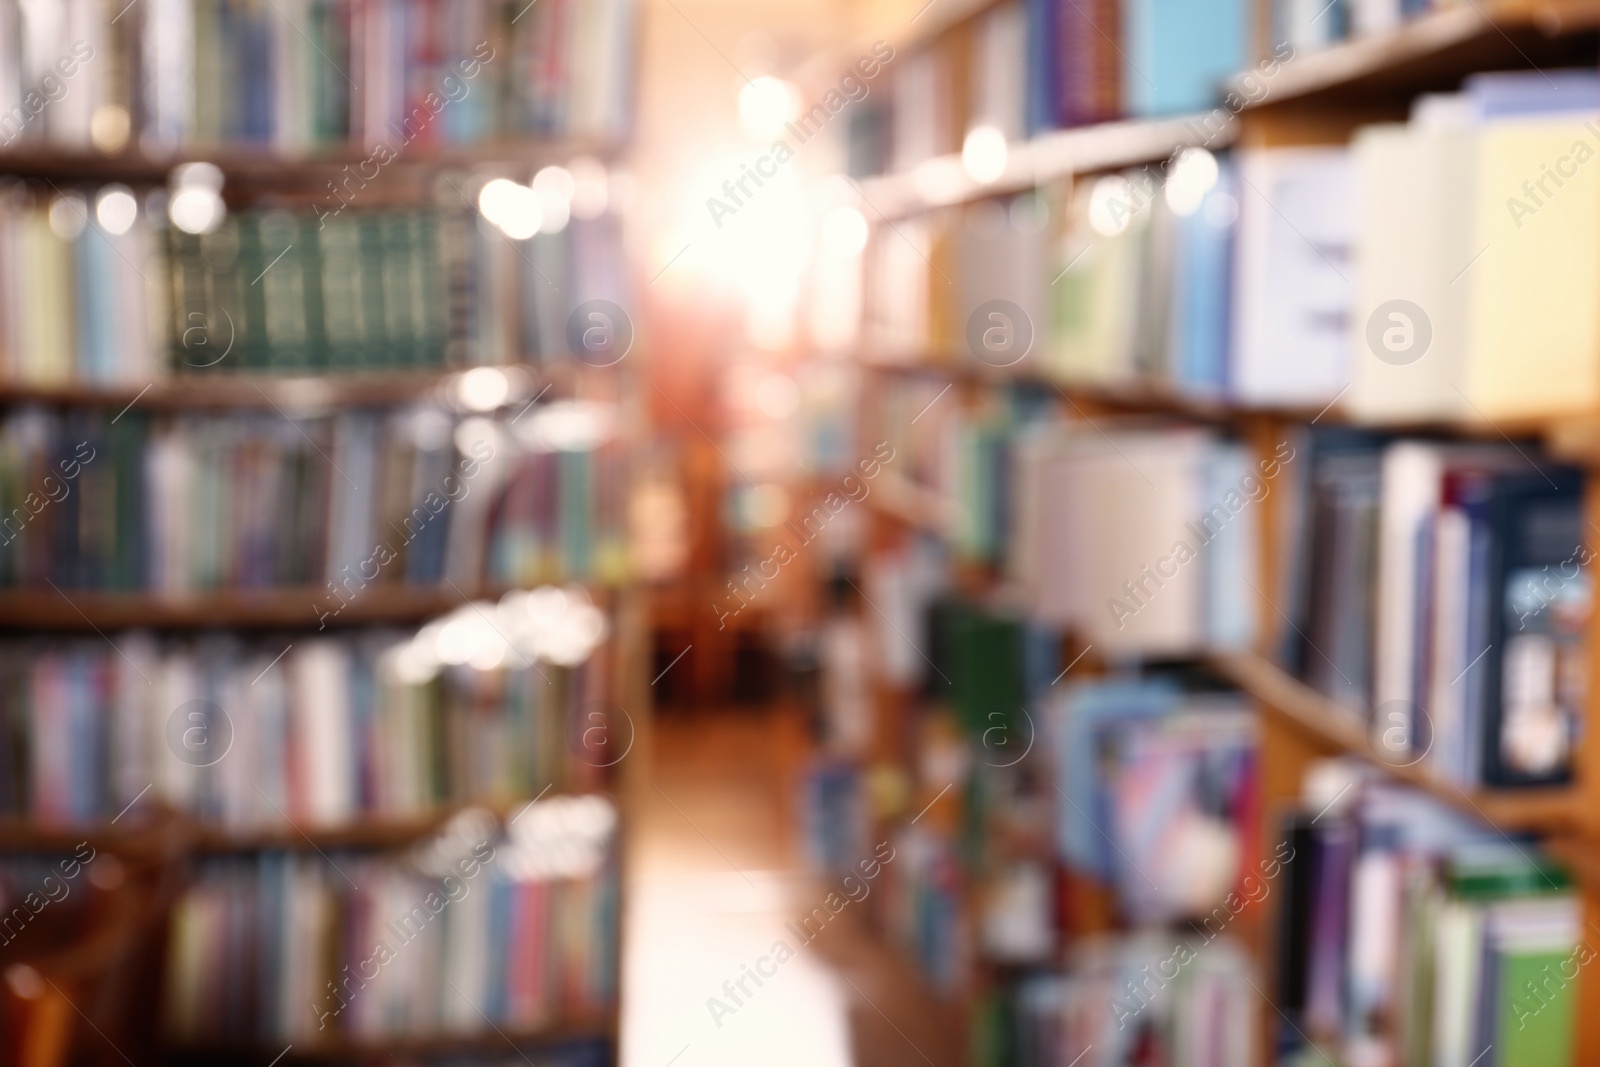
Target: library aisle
715	882
833	533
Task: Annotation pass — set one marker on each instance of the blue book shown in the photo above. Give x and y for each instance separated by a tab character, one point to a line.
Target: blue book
1533	94
1041	87
1081	714
1202	289
1177	53
97	291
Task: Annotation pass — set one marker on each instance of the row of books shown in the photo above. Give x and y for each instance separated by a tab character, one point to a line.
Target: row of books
1442	592
464	931
1138	1000
333	504
1027	66
309	74
96	287
1290	277
1140	537
1158	793
1409	934
266	734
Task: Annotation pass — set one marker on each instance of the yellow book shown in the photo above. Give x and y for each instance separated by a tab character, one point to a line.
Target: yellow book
1534	337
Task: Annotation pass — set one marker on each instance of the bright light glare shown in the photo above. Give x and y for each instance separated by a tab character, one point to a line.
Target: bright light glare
765	104
116	209
1111	205
591	187
844	232
554	186
983	154
1194	173
568	426
195	210
483	388
476	434
514	208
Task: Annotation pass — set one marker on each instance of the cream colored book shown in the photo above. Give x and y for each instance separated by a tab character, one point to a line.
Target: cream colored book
1534	323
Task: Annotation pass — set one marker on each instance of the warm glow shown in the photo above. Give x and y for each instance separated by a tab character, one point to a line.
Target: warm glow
554	187
983	155
116	209
514	208
1110	205
844	232
765	104
1194	174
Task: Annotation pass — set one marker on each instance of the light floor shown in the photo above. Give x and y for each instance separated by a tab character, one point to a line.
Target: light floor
713	879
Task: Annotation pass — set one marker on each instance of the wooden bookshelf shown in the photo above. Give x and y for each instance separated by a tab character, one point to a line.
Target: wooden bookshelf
1428	53
71	610
141	832
507	1043
1434	52
265	167
206	392
1573	437
1046	158
1343	732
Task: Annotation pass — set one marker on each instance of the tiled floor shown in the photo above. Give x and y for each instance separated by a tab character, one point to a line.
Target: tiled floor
713	879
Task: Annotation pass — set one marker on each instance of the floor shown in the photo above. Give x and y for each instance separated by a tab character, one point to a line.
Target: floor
714	878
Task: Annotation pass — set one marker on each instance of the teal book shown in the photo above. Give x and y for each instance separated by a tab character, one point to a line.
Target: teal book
1177	53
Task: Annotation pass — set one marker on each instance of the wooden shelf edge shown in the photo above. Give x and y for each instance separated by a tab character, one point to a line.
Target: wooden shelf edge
262	165
1334	727
1418	38
297	608
942	181
599	1028
297	391
1572	437
174	830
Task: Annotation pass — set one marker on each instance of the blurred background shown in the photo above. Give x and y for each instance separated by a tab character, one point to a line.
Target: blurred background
1010	533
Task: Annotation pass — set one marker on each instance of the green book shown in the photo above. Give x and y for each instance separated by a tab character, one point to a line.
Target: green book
1536	1008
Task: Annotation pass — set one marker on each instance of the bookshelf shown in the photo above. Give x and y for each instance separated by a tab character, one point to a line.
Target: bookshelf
1317	98
250	119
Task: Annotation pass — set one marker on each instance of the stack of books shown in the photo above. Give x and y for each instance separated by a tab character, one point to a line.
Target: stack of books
312	74
264	735
332	505
517	928
97	288
1440	591
1293	277
1411	934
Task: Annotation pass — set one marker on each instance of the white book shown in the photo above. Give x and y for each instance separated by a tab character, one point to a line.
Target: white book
319	670
1416	245
1292	275
1143	598
1412	475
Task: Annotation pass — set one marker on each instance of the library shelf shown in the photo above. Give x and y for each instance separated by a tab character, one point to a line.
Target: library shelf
355	1049
1044	158
285	608
1430	52
261	166
1339	730
290	391
171	829
1572	437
